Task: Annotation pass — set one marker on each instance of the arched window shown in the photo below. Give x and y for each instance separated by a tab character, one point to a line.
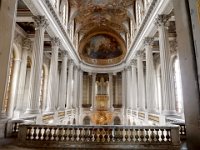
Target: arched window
41	100
178	86
9	83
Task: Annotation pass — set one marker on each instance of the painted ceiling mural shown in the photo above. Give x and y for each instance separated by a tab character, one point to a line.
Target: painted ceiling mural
92	18
102	47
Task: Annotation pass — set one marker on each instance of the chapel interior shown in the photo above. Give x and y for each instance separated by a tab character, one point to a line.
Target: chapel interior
105	74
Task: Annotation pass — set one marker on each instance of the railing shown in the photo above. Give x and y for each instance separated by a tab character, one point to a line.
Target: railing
182	130
12	127
155	137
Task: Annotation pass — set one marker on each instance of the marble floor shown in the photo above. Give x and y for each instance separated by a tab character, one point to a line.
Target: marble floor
10	144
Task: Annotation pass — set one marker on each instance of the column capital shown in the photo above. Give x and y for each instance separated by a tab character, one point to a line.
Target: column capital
71	62
148	41
161	20
64	53
26	44
55	41
140	53
133	62
40	22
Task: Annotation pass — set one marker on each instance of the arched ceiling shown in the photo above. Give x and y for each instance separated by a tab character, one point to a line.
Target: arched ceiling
101	22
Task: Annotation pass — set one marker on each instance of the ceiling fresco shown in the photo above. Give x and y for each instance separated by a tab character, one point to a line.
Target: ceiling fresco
102	47
94	16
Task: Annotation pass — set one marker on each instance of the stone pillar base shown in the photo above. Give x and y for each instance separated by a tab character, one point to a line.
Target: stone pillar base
32	111
169	112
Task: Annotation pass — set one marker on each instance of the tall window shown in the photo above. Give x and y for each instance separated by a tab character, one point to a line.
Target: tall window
178	86
9	83
42	89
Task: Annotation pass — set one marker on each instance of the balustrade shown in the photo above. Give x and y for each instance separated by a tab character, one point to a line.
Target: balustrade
161	136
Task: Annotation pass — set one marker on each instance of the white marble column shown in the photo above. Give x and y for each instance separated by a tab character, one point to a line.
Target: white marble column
141	86
37	60
22	78
63	82
150	76
167	98
8	11
80	89
93	90
123	88
134	87
55	42
128	88
70	84
116	90
75	87
111	90
13	91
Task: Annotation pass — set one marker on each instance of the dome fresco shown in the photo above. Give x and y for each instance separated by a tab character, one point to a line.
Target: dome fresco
102	47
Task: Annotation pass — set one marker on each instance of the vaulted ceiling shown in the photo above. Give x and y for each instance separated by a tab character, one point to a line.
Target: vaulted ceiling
108	19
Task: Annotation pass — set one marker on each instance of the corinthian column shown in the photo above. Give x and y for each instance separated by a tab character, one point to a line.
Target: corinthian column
70	84
168	101
150	76
36	68
22	77
55	42
141	86
63	82
134	82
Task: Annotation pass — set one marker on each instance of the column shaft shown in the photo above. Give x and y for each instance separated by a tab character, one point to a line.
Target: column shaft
134	87
150	76
69	85
111	90
36	68
53	76
22	78
169	102
63	82
141	86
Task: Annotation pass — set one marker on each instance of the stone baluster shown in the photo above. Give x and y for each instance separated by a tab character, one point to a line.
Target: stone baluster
141	86
52	75
134	83
150	76
63	81
36	68
168	101
22	77
69	84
